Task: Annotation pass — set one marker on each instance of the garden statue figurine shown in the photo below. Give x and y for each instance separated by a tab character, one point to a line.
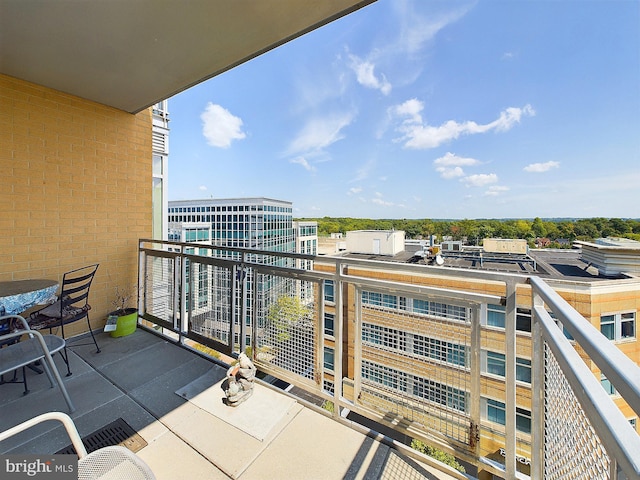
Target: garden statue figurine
240	380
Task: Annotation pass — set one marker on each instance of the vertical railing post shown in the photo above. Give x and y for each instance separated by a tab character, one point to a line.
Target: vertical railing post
254	309
474	362
241	274
181	285
142	280
236	272
510	380
537	391
338	335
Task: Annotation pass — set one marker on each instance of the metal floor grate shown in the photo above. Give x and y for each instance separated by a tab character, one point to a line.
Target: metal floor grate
116	433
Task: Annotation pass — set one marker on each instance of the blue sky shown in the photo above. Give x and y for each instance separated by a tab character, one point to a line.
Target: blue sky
428	109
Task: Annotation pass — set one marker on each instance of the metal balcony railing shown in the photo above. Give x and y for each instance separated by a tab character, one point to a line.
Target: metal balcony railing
444	355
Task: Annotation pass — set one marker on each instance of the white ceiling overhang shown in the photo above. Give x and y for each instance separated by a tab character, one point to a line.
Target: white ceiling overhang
130	54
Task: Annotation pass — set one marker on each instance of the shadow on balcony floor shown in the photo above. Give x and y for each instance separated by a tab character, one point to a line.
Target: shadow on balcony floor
136	378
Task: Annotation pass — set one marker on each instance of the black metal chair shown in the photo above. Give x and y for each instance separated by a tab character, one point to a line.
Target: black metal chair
72	306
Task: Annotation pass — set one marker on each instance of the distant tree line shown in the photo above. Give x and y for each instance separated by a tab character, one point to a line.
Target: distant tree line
560	232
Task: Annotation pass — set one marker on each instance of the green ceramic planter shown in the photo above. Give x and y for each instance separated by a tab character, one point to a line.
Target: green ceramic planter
127	322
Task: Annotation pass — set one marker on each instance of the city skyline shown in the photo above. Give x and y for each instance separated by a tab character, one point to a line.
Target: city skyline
427	110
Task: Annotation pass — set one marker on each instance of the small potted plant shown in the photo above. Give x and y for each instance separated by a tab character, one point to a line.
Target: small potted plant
124	319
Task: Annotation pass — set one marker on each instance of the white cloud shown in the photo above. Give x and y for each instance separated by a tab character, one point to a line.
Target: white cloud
220	127
303	161
202	187
541	167
381	202
364	171
480	180
450	172
450	160
450	166
354	190
495	190
419	135
366	76
411	108
320	133
416	30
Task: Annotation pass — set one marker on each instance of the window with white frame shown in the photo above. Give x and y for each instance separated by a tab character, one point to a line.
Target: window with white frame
496	316
329	358
422	388
417	306
523	320
441	350
328	291
328	323
618	326
383	336
495	411
494	363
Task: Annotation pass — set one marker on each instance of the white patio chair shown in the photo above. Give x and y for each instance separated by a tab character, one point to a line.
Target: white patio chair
15	355
108	463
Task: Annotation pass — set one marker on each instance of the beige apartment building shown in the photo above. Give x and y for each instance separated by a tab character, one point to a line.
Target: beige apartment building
407	351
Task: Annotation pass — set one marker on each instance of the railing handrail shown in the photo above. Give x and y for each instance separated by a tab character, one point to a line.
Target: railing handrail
622	442
619	369
618	437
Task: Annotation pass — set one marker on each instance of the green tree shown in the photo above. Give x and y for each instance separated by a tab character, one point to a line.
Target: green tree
286	313
438	454
538	227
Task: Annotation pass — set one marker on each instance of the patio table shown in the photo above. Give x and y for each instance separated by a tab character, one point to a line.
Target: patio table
18	295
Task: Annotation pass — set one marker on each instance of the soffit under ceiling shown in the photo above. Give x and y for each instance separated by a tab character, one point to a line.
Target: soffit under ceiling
130	54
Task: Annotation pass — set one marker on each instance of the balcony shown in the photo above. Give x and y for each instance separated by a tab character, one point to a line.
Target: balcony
135	378
192	295
406	347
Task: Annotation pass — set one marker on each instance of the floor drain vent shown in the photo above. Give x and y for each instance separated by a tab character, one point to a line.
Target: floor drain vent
116	433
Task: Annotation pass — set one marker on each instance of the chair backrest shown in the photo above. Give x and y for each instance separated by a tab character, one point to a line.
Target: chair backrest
76	285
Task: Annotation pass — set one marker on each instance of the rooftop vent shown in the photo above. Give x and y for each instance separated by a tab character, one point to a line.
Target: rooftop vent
612	256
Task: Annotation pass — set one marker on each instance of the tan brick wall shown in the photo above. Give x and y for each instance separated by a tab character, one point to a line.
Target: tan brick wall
76	188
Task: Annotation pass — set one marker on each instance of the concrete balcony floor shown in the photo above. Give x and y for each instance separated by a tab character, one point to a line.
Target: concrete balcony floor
135	378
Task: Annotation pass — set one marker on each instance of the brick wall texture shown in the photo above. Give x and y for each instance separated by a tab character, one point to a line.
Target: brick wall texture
75	189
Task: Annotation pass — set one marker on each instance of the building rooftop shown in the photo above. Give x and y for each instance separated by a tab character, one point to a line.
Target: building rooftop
557	264
170	397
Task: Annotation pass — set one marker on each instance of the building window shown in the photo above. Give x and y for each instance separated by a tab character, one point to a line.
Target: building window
440	350
329	358
523	320
496	413
328	323
383	336
494	363
523	420
523	370
439	393
328	291
606	384
328	386
380	300
385	376
618	326
496	316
